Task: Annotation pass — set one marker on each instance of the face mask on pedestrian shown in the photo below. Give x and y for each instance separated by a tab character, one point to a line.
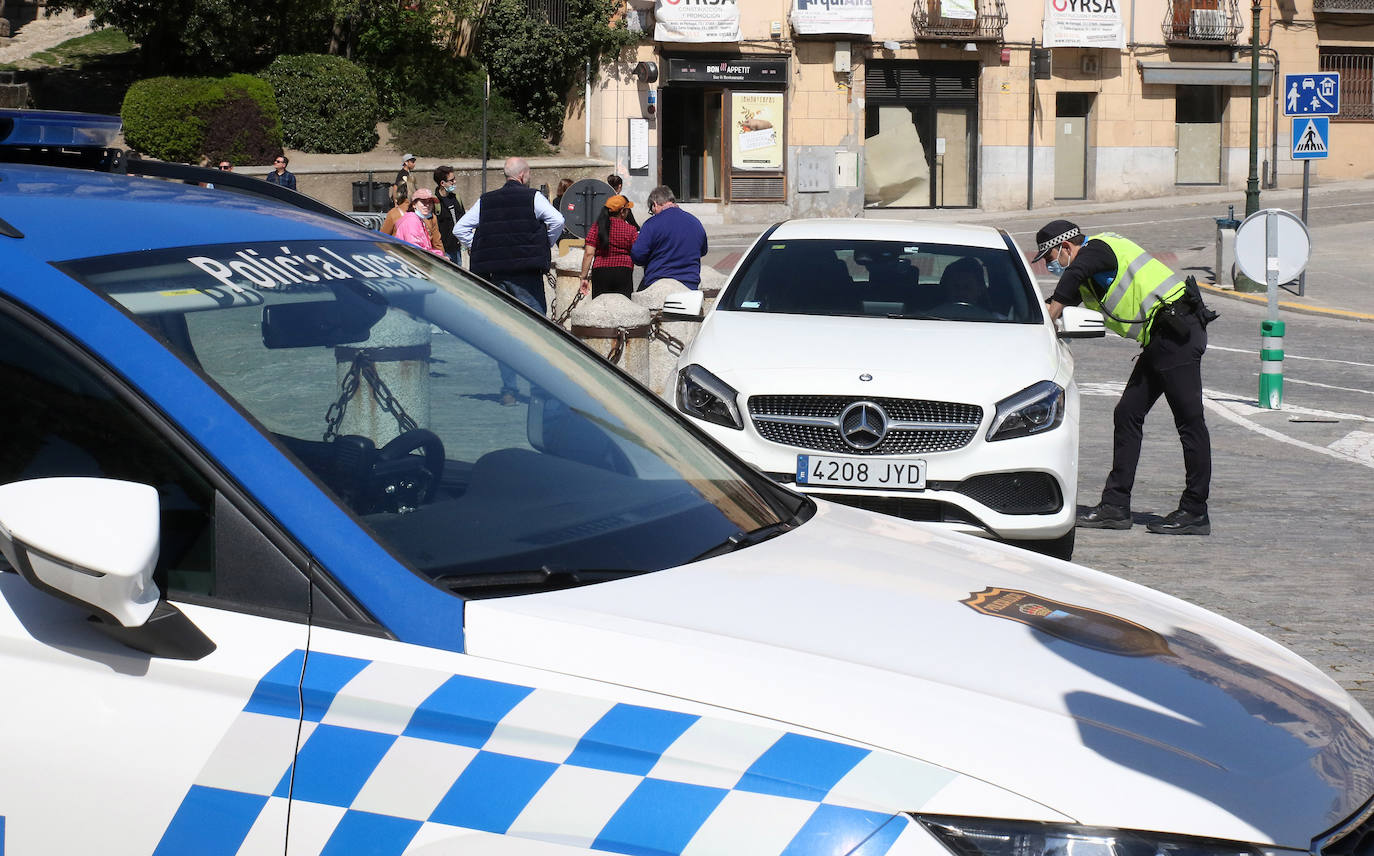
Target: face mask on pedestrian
450	187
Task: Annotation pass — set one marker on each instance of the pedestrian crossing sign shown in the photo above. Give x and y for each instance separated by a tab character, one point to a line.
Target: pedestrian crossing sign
1310	136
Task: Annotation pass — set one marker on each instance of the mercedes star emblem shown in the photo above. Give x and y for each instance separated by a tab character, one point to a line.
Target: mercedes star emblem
865	377
863	425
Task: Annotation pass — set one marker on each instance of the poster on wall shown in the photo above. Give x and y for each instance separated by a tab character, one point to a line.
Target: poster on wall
696	21
963	10
839	17
756	121
1083	24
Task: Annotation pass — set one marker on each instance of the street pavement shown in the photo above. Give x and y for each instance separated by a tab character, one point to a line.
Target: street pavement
1292	501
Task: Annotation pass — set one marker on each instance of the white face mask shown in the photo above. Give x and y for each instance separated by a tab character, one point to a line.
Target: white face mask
450	187
424	214
1054	267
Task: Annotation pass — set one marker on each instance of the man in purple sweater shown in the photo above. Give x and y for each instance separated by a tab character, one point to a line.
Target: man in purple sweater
670	243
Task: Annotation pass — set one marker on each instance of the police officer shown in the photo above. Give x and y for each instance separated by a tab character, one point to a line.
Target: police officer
1140	299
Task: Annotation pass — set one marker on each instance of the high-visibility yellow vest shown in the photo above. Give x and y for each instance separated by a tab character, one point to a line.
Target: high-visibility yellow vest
1143	284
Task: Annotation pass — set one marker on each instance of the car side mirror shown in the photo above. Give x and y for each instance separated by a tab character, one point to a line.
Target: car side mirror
94	542
685	303
1078	322
90	541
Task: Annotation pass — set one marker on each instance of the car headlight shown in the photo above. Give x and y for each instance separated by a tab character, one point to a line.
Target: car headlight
978	837
1036	408
707	397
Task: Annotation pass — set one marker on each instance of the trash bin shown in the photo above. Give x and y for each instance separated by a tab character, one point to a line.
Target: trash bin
371	196
1224	269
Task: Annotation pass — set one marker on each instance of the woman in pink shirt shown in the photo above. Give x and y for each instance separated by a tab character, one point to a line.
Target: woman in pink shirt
412	227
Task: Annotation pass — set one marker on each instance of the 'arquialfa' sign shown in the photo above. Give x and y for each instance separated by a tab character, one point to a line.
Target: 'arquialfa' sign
696	21
822	17
1083	24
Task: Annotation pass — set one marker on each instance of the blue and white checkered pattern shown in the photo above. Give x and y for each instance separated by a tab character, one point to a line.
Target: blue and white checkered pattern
393	758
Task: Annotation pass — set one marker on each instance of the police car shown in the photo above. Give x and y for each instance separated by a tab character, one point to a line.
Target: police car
283	575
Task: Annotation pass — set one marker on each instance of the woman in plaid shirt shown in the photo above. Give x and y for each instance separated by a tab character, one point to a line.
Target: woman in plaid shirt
606	264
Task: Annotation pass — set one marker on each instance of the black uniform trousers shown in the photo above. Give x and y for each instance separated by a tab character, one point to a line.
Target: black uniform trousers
1170	365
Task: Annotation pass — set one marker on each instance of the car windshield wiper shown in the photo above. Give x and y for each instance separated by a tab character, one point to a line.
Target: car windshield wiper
914	317
543	577
741	540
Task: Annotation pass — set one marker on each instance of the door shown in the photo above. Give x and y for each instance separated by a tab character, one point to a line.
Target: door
109	749
693	142
1071	145
1198	126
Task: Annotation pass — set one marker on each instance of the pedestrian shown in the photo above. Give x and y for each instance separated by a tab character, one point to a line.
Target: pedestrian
606	263
509	233
617	187
399	210
226	166
1143	300
671	243
450	211
414	225
405	178
279	176
563	185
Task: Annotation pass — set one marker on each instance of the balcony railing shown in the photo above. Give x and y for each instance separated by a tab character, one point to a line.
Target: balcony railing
1202	22
964	20
1342	7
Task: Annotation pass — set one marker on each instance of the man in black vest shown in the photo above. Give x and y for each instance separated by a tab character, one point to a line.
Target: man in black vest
509	232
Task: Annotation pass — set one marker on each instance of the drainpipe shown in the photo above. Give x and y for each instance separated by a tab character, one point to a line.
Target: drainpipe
1030	133
587	114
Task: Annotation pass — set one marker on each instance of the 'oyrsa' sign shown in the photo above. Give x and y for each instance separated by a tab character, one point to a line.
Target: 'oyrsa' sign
1083	24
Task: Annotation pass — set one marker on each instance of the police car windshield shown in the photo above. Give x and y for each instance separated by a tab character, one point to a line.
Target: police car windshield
492	453
884	279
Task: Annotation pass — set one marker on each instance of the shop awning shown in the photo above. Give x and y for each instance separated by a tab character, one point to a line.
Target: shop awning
1205	73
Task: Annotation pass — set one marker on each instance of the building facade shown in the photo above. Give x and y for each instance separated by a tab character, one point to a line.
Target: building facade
767	109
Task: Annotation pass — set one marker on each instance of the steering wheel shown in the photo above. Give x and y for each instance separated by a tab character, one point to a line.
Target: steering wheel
398	479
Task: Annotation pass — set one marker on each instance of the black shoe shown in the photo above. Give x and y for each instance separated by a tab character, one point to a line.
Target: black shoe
1182	522
1104	516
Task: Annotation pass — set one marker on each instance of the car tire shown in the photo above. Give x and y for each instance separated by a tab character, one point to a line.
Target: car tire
1059	548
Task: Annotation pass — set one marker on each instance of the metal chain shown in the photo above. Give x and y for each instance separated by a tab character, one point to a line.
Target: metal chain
622	336
364	367
567	313
656	331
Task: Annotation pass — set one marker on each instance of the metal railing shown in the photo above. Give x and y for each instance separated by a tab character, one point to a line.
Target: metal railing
950	19
1356	68
556	11
1202	22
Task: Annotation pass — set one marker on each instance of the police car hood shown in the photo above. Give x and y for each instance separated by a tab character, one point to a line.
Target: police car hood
949	360
1102	700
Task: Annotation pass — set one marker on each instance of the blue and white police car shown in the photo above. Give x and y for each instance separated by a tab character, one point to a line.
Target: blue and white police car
283	575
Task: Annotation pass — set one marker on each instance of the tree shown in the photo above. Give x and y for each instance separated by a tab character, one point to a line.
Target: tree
535	63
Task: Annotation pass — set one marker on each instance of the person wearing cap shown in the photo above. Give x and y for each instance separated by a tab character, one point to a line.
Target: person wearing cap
1141	299
509	233
606	263
416	225
406	176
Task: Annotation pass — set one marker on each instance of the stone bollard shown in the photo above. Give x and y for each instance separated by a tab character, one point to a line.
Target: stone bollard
712	281
667	338
568	277
398	349
617	329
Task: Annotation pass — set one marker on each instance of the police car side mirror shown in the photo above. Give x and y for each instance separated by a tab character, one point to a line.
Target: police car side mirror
1078	322
685	303
94	542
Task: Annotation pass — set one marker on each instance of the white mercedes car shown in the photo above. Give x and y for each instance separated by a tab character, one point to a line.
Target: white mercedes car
902	367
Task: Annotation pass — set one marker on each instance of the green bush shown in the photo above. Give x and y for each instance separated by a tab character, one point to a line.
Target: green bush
327	103
453	127
183	118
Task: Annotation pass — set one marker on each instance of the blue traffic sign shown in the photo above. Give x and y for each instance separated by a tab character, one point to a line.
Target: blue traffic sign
1312	94
1310	137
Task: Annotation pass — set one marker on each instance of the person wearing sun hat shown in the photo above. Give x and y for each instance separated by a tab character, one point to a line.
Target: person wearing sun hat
606	263
416	225
1140	298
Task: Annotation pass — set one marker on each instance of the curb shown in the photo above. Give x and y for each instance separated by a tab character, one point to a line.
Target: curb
1288	305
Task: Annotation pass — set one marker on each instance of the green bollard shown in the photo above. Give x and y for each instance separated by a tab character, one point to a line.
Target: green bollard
1271	365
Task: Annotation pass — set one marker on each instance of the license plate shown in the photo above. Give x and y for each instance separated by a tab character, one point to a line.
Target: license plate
872	473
